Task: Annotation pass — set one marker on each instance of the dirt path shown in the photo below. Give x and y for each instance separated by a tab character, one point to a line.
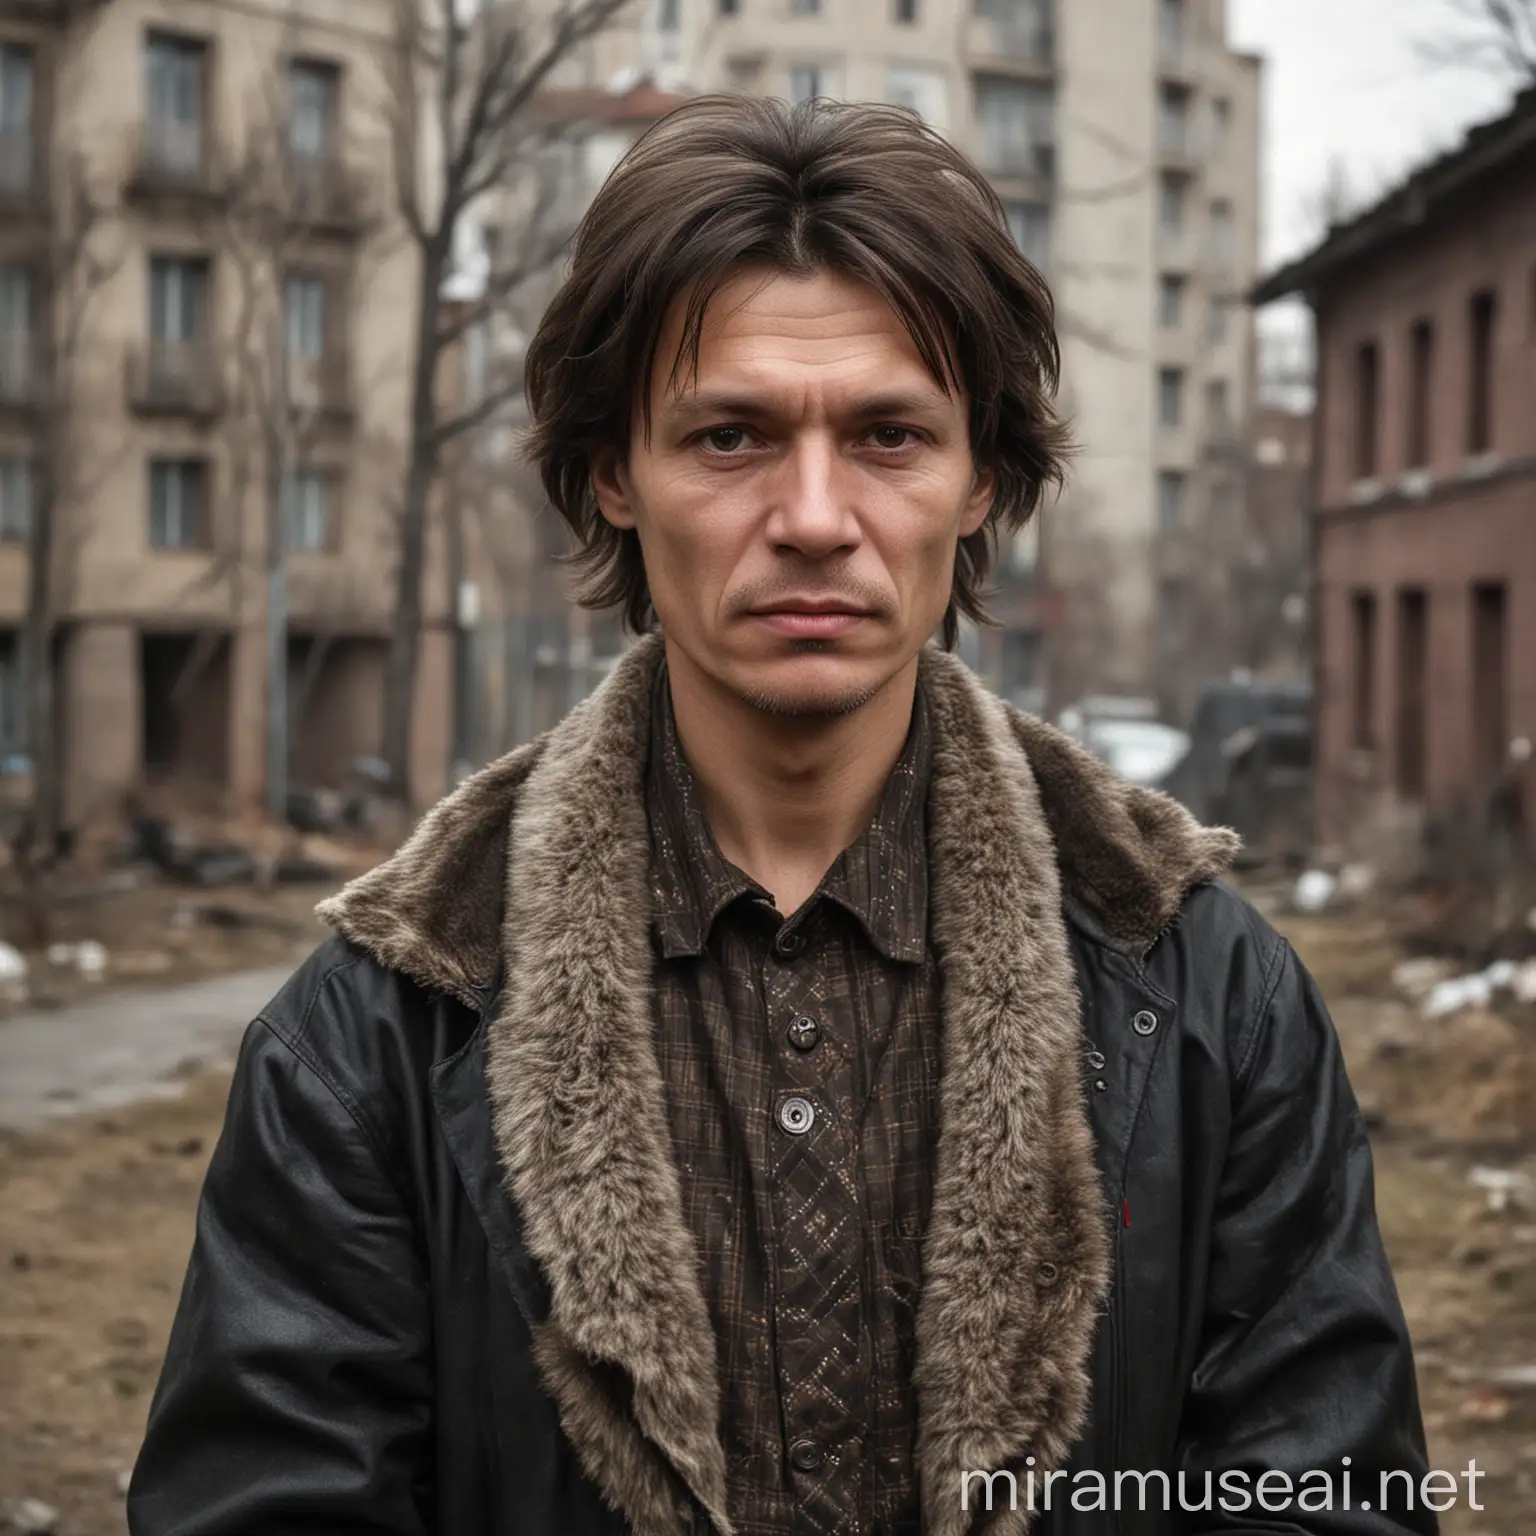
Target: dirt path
124	1048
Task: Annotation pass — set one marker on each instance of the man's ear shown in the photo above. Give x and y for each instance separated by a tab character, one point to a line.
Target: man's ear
979	503
610	484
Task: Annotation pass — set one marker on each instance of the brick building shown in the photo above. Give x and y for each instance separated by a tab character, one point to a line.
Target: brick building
1425	490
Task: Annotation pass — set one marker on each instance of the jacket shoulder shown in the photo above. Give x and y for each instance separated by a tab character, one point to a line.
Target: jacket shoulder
368	1032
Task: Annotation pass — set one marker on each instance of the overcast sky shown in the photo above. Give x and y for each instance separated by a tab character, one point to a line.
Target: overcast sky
1343	78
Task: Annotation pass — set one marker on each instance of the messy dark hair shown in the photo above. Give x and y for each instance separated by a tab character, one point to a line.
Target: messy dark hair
725	183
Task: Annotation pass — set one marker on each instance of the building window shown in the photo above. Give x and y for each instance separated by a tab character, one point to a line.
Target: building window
921	90
16	155
178	296
1173	137
173	107
1016	122
1480	393
1221	124
1217	320
178	507
16	379
15	499
1170	615
1170	301
1421	364
1218	407
1412	691
1367	406
1171	201
805	7
1027	27
307	510
1363	654
1170	30
304	316
1030	225
1170	396
1222	241
804	82
1490	678
313	88
904	12
13	713
1170	501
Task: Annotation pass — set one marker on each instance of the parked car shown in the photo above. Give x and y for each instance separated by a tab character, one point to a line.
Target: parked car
1249	764
1126	734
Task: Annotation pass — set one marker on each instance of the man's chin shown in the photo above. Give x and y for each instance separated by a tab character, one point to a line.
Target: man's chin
808	696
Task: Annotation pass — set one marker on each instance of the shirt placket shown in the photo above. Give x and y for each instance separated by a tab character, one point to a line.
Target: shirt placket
820	1325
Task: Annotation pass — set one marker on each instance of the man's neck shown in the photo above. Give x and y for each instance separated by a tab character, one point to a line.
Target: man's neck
785	795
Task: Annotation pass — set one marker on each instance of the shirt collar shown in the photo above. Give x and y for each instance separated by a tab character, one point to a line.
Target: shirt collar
882	879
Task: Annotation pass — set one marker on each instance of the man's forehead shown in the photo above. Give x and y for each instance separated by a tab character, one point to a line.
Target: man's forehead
762	334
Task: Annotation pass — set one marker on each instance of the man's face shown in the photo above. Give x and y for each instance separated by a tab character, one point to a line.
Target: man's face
801	499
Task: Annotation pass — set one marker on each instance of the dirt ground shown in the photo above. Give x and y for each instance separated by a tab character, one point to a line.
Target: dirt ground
96	1222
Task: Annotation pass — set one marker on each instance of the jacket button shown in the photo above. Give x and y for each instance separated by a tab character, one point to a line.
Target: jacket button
804	1032
1099	1085
796	1115
805	1455
1096	1060
1046	1273
789	945
1144	1022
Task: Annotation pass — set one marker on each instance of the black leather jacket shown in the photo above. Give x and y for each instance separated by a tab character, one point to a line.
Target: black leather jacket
352	1348
442	1283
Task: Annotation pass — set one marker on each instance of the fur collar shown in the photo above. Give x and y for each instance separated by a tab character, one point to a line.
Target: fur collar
537	868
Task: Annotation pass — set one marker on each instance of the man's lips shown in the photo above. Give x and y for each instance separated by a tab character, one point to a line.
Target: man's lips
810	621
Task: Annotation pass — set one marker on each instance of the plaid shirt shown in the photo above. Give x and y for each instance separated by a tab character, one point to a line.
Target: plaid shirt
801	1063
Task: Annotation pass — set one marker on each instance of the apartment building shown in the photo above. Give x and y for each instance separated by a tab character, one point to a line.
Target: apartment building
1123	141
1424	444
195	208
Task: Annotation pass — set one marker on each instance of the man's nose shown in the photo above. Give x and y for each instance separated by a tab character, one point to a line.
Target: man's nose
812	511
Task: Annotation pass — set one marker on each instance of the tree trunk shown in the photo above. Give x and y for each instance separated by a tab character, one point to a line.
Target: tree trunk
420	474
40	840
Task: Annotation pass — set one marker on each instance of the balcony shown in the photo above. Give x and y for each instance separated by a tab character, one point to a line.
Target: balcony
325	195
174	160
22	373
175	378
1020	160
1019	37
56	11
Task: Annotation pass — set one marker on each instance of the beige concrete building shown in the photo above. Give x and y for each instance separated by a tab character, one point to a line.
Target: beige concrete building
1124	143
195	211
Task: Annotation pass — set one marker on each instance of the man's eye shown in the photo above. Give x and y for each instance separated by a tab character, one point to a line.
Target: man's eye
725	439
892	437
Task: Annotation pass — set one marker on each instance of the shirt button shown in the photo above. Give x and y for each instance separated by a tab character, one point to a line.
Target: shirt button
788	945
796	1115
805	1455
804	1032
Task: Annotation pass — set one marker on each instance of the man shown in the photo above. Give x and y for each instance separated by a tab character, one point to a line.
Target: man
798	1081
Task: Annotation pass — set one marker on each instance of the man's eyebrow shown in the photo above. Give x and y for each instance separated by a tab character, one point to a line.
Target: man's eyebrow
722	405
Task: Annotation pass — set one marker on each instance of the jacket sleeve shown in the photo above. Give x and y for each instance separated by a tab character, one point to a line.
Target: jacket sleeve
295	1395
1305	1358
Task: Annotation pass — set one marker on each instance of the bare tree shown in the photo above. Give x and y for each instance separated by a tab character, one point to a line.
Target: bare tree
464	115
1495	36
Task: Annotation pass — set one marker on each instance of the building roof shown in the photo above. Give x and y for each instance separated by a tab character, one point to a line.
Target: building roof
643	103
1488	151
